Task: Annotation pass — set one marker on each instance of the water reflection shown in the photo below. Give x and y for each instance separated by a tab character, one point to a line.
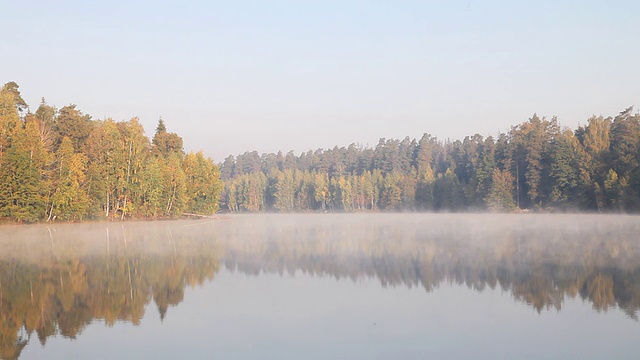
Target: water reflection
539	259
56	280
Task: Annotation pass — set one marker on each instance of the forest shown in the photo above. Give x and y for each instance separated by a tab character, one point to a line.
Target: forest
538	165
60	164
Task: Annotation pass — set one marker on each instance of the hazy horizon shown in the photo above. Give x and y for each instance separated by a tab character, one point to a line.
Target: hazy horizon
244	76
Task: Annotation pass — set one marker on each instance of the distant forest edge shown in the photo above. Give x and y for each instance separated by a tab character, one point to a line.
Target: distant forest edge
59	164
537	165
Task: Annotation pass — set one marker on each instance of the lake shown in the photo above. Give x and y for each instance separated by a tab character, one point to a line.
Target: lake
324	286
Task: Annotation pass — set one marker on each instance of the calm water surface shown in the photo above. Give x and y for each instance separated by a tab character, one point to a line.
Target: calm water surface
324	286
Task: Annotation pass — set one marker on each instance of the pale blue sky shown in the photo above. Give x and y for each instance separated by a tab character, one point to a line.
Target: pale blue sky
231	76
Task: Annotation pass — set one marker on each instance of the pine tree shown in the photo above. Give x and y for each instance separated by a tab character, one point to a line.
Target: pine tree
165	142
565	170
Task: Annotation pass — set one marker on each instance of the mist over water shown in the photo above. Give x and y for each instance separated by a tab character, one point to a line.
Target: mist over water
324	286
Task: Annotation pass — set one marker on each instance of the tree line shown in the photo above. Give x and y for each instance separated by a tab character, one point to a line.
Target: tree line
60	164
536	165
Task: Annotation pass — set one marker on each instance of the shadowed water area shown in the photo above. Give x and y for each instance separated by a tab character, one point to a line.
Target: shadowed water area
349	286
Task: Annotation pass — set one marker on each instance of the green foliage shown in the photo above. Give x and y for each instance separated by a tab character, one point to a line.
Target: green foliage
106	169
12	88
165	142
285	190
535	165
72	123
424	189
61	165
9	120
174	196
500	197
565	168
203	184
69	200
19	196
23	159
247	192
613	190
151	189
532	148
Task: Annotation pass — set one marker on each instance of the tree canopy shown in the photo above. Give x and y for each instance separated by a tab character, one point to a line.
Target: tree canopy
537	165
60	164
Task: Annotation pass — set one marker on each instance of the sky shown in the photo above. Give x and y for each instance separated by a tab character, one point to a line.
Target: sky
236	76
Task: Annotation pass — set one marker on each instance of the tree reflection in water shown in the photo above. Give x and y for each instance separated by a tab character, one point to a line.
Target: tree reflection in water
57	279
